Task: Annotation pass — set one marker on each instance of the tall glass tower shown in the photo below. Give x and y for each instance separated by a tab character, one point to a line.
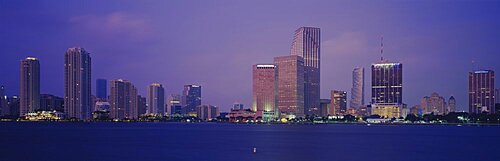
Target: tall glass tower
306	44
30	86
77	84
191	98
482	91
358	88
101	89
156	99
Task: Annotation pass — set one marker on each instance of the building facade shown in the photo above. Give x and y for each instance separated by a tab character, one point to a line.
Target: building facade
433	104
142	105
156	99
482	91
290	85
265	90
4	108
174	104
29	92
207	112
307	44
191	98
50	102
123	100
338	102
77	84
452	105
101	90
358	88
387	89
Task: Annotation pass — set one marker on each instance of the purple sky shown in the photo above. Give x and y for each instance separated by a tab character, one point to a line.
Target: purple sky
214	43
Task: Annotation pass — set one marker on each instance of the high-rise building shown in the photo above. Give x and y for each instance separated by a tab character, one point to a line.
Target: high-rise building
156	99
50	102
306	44
123	100
265	90
30	86
4	108
142	105
191	98
358	88
207	112
238	106
77	84
482	91
290	85
497	95
434	104
13	106
387	89
338	102
101	89
174	104
325	105
452	104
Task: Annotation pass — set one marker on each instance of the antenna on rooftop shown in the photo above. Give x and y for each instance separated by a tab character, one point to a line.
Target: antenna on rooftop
381	47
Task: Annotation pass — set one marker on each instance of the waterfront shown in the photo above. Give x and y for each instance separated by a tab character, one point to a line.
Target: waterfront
58	141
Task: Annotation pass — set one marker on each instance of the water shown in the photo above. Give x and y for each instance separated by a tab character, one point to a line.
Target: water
231	142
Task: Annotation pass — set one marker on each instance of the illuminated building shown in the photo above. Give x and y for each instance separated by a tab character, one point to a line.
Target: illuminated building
452	104
123	100
101	89
244	115
358	88
102	106
306	44
290	85
339	102
50	102
77	84
325	105
30	86
265	90
434	104
207	112
142	106
191	98
238	106
156	99
482	91
4	108
44	116
387	89
174	104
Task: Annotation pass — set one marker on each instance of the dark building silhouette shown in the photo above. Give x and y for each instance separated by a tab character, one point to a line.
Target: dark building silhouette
191	98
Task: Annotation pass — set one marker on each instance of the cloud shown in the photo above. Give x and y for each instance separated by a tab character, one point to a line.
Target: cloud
347	43
114	24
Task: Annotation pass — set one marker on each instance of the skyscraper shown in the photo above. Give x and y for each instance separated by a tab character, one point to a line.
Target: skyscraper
156	99
77	84
387	89
452	104
30	86
174	104
191	98
101	89
123	100
4	108
142	106
290	85
433	104
306	44
207	112
482	91
265	90
338	102
50	102
358	88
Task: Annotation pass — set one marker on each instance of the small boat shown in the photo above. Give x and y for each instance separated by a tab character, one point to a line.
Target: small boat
254	150
368	124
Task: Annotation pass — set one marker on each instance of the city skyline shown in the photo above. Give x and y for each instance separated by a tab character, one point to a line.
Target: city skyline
339	44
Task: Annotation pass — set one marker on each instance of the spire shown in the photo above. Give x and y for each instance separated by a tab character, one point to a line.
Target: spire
381	47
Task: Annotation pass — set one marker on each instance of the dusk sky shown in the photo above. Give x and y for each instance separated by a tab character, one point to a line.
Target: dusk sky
214	43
